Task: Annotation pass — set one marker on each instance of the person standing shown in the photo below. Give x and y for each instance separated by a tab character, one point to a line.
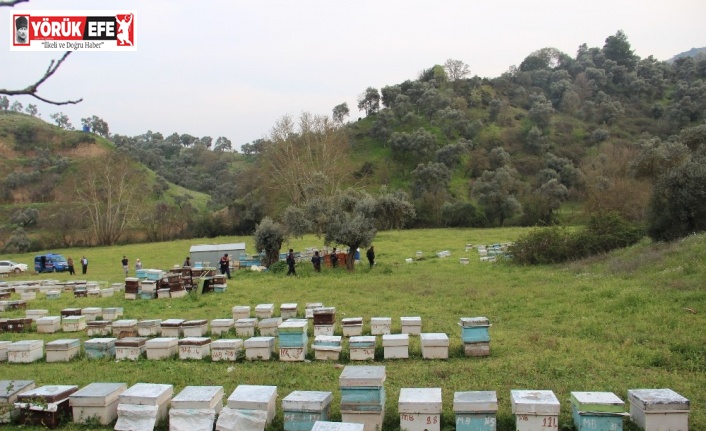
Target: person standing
70	264
334	259
316	260
225	265
138	265
370	254
126	266
187	261
291	262
84	265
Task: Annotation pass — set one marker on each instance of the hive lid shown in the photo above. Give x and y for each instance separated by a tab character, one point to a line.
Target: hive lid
204	397
414	321
131	342
194	341
475	401
252	397
434	339
195	323
47	394
245	323
352	321
381	320
148	394
293	325
172	322
91	310
241	308
99	323
362	341
264	307
307	401
597	402
227	343
474	321
48	320
325	310
420	400
70	319
259	342
314	305
25	345
362	375
658	400
125	323
63	344
534	402
337	426
288	306
149	323
272	322
222	322
9	389
391	340
100	343
331	340
161	342
97	394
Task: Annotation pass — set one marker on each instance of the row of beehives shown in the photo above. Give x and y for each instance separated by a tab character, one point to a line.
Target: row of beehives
363	399
490	253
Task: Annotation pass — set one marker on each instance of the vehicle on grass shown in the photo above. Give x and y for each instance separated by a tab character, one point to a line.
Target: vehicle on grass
50	262
11	267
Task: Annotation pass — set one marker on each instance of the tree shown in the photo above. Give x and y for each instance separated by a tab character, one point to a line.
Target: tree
31	110
496	191
62	120
269	237
223	144
4	103
433	177
96	125
456	69
340	112
617	48
110	193
16	106
369	101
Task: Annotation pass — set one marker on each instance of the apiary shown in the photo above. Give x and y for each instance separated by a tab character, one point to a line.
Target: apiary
659	409
48	324
142	405
73	323
288	310
161	347
149	328
25	351
172	328
264	311
363	395
194	347
593	411
435	345
303	408
420	409
352	326
195	408
476	410
99	328
124	328
362	348
259	348
395	346
221	327
535	410
380	325
254	397
195	328
45	406
131	348
112	313
411	325
91	313
241	312
245	327
327	347
62	350
97	348
9	390
268	327
96	401
226	349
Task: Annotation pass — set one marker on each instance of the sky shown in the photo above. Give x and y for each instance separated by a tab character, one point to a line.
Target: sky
232	68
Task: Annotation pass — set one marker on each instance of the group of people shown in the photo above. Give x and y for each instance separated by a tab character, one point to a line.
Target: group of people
126	265
316	260
70	265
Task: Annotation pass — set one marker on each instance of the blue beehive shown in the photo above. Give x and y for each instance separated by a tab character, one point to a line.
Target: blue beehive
303	408
475	329
476	410
597	411
97	348
362	388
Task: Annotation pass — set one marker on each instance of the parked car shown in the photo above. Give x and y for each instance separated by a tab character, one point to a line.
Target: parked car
50	262
8	266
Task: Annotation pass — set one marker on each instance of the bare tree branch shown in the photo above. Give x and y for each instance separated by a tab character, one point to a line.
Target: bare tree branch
32	89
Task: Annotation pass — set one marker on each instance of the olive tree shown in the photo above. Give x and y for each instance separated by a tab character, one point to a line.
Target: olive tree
269	237
496	191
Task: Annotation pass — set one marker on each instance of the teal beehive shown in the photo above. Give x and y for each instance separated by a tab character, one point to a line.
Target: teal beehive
476	410
597	411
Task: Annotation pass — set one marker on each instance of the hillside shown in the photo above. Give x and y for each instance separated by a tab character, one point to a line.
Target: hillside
693	52
43	166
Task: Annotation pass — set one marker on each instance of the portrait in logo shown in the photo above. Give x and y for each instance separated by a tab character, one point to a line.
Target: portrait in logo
124	29
21	30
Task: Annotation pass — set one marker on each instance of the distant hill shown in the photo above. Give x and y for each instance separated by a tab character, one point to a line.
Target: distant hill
693	52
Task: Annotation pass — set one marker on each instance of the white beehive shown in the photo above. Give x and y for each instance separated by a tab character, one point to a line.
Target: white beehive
96	401
172	327
35	314
396	346
48	324
220	327
112	313
149	328
9	390
245	327
420	409
73	323
194	347
194	328
25	351
380	325
337	426
241	312
288	310
124	328
327	347
130	348
99	328
352	326
226	349
264	311
659	409
268	327
435	345
411	325
62	350
362	348
259	348
254	397
534	410
161	347
92	313
142	405
195	408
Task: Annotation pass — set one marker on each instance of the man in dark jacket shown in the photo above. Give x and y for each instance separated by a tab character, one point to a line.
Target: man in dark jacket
370	254
291	262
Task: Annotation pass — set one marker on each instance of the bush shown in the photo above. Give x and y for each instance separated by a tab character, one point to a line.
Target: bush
278	267
604	232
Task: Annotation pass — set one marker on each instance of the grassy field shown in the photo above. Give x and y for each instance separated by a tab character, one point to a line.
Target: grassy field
635	318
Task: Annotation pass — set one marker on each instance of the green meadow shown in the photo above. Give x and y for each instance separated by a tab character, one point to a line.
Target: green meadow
634	318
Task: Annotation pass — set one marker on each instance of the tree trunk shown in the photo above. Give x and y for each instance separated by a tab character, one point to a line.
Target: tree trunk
350	257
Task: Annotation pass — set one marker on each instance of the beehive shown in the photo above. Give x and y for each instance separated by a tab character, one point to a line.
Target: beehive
9	390
259	348
142	405
362	348
659	409
254	397
161	347
221	327
131	348
303	408
62	350
396	346
363	395
597	411
97	348
245	327
420	409
435	345
195	408
241	312
264	311
25	351
45	405
288	310
194	328
268	327
48	324
96	401
327	347
476	410
337	426
226	349
380	325
98	328
535	409
149	328
124	328
411	325
172	327
73	323
352	326
91	313
194	347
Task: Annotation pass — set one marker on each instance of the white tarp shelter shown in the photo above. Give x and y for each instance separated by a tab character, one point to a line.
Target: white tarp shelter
212	253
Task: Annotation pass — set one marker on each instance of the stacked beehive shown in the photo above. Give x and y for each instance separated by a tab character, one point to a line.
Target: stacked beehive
475	335
363	395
